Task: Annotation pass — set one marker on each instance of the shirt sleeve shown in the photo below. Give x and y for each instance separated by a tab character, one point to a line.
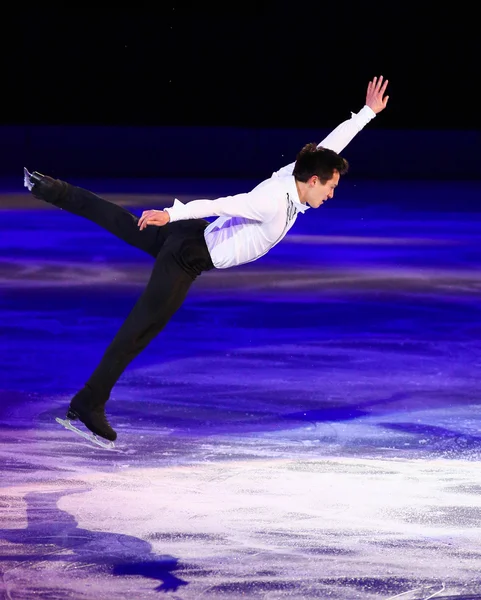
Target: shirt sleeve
340	137
258	205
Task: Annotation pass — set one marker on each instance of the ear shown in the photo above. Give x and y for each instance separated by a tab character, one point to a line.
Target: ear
313	180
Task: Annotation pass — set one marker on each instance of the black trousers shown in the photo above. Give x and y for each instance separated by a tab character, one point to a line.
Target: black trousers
180	254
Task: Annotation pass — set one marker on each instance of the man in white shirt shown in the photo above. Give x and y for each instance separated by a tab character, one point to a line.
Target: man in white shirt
184	244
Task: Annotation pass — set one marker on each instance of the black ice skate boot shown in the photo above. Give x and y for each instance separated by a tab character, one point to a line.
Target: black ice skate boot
91	413
44	187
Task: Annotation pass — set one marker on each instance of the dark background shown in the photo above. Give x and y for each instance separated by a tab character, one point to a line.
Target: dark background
179	90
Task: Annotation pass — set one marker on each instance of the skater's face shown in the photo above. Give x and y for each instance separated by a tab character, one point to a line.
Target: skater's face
317	193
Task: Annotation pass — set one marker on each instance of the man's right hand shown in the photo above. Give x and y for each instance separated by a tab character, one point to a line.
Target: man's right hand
153	217
375	92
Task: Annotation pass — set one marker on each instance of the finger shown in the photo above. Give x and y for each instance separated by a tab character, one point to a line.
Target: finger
374	82
143	218
379	83
385	101
145	215
383	89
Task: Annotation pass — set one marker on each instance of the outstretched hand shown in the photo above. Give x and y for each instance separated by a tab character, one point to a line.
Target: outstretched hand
375	92
153	217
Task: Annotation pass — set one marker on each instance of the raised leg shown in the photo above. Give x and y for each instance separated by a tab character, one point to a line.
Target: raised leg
111	217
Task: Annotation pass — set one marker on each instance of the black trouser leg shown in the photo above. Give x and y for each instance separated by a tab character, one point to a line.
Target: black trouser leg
111	217
182	258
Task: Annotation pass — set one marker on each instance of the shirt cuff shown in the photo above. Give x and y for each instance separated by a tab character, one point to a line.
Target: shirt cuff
177	212
363	117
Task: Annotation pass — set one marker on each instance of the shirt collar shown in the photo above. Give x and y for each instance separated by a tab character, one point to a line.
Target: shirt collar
294	196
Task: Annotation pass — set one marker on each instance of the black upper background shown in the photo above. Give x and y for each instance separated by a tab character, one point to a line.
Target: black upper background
280	65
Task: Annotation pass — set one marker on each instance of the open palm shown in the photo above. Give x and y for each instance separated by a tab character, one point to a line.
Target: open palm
375	98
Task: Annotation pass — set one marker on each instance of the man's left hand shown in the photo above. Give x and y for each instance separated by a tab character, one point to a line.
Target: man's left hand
375	92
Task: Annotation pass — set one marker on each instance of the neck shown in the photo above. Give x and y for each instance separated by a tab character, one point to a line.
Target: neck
301	191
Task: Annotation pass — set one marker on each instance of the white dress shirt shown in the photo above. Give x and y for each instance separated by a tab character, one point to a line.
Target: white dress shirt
250	224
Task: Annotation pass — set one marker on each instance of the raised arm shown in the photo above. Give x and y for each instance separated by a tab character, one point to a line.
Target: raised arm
338	139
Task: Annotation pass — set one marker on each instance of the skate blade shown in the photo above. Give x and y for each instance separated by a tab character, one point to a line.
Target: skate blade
91	437
26	179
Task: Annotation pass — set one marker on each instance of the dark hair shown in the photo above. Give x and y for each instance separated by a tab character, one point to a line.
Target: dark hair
322	162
